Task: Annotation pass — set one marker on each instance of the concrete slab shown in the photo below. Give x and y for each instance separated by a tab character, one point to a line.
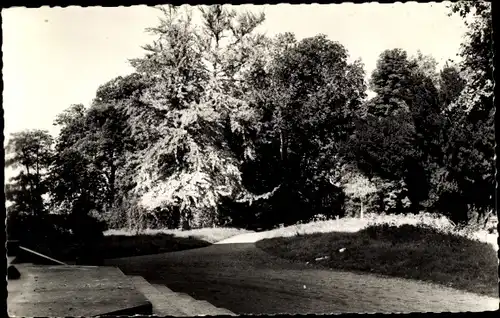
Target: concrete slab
73	291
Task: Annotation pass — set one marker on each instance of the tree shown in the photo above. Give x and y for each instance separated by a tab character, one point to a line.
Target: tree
358	187
408	96
426	65
76	184
31	151
451	85
91	150
194	78
392	82
470	149
462	179
307	94
107	124
127	132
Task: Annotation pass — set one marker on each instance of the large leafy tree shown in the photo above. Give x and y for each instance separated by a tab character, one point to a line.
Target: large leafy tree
195	84
135	130
426	113
76	184
392	81
90	150
400	138
31	153
415	105
451	84
469	151
307	94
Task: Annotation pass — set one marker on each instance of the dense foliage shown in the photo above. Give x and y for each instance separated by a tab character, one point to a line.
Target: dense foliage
221	125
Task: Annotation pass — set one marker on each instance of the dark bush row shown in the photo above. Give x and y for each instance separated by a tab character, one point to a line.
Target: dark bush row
64	237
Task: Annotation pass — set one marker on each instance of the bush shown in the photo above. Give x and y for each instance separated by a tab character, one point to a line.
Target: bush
29	228
43	234
116	217
61	236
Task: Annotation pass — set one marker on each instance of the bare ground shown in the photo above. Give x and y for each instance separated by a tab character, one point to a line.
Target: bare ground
244	279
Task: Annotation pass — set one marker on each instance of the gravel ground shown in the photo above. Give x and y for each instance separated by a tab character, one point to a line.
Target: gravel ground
236	275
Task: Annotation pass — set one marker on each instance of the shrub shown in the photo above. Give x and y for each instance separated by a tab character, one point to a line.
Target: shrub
319	217
116	217
61	236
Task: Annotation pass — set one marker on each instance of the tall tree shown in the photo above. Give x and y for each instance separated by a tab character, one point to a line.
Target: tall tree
93	142
392	81
464	180
472	141
195	84
307	95
408	100
76	183
451	84
426	65
134	125
31	152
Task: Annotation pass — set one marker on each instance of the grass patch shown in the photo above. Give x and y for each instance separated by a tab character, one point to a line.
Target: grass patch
211	235
124	243
408	251
114	246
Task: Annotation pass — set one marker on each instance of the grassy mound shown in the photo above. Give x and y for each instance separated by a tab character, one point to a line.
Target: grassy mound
355	224
417	252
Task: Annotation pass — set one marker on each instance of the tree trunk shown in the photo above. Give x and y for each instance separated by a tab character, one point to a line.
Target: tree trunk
112	190
282	145
32	188
361	210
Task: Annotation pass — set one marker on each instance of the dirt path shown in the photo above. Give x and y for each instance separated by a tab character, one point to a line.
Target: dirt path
242	278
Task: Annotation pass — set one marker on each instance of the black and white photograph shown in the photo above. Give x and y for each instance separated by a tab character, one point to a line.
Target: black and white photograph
250	159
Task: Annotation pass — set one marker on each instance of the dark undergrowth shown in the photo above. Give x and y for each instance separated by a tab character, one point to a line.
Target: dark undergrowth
421	253
80	240
113	246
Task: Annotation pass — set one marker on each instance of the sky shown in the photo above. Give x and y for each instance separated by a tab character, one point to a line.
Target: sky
56	57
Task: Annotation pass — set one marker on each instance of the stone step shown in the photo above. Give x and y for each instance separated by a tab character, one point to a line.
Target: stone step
191	306
219	311
10	260
162	304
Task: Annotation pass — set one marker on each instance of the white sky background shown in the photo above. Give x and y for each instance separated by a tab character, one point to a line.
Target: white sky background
55	57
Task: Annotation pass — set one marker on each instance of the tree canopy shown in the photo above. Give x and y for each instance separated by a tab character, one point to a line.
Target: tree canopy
222	125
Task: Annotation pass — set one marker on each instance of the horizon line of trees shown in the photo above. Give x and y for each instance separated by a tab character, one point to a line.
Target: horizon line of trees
221	125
